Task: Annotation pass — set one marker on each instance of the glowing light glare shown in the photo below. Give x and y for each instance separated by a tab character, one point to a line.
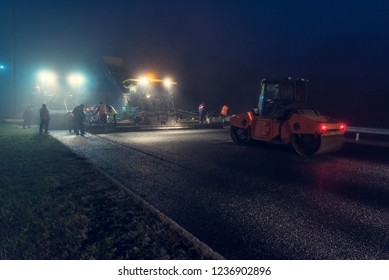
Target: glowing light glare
76	79
325	127
47	77
167	82
342	126
2	67
143	81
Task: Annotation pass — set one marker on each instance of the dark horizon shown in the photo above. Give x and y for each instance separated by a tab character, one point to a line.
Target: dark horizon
217	51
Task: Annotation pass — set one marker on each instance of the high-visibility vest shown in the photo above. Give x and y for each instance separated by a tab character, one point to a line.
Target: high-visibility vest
224	110
111	110
102	109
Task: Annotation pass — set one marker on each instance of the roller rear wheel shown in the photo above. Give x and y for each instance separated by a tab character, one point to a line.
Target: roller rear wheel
240	135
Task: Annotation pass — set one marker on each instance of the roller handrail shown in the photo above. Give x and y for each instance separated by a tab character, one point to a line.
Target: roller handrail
368	130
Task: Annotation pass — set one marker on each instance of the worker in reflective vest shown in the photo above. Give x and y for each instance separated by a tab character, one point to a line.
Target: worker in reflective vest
102	112
224	113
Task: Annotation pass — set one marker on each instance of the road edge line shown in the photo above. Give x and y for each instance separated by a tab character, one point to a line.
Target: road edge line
203	247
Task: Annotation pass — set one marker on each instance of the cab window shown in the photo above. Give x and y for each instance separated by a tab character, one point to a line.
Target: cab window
267	100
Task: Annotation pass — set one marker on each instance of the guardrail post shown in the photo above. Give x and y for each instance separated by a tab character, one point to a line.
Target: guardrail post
357	137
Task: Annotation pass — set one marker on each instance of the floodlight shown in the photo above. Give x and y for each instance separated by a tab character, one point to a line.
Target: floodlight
47	77
167	82
76	79
143	81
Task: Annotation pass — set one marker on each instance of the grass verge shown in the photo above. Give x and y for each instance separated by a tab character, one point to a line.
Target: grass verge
55	205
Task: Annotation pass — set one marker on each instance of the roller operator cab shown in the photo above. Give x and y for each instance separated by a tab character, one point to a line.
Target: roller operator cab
282	117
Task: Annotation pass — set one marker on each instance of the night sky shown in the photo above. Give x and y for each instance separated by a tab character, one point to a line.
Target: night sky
217	51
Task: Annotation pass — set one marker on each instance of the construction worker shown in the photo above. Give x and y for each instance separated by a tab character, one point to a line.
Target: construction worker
78	120
224	112
45	119
201	113
102	112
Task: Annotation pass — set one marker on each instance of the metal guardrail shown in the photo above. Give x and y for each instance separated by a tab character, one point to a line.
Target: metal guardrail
366	130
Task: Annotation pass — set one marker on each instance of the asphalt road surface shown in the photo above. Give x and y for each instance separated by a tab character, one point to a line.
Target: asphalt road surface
254	202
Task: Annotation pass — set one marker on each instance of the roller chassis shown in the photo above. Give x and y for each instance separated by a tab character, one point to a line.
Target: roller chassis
302	130
282	117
